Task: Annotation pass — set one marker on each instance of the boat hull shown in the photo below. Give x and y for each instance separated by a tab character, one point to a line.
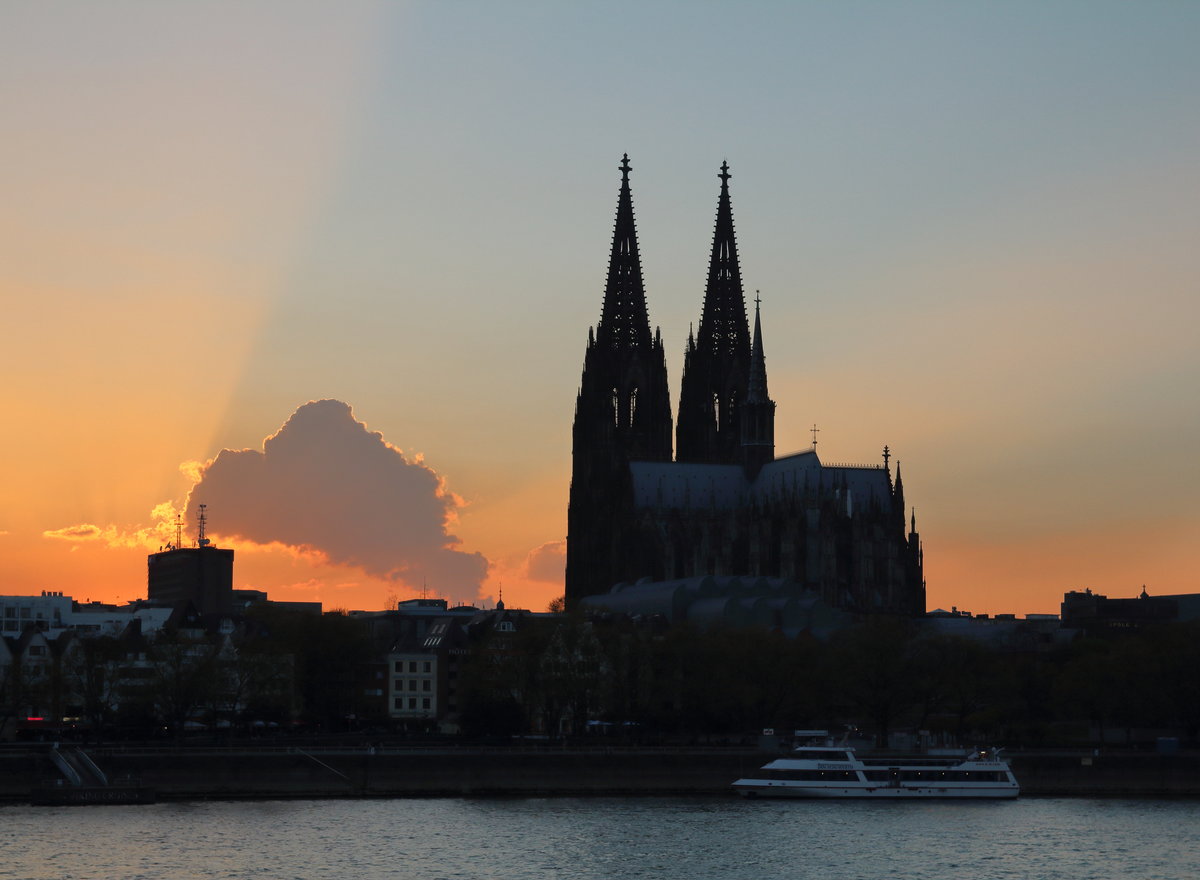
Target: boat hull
82	796
754	788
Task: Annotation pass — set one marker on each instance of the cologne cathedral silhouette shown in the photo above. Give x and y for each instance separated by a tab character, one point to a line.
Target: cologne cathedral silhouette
725	507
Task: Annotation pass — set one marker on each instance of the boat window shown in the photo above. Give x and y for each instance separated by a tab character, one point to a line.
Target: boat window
813	775
825	755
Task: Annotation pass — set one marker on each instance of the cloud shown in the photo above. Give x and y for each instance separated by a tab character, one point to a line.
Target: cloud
547	563
146	537
81	532
324	483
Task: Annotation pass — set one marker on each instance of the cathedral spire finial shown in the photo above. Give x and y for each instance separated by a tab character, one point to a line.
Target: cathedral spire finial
724	175
625	168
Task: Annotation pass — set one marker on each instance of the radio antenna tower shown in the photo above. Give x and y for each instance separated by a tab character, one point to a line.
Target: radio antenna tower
178	531
203	519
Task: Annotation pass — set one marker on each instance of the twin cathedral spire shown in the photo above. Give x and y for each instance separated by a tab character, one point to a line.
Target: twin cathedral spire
725	416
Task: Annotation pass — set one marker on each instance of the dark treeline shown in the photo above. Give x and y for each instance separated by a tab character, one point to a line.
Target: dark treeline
881	676
569	676
274	672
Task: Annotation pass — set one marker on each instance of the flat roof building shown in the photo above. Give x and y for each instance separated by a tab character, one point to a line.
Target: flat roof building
202	575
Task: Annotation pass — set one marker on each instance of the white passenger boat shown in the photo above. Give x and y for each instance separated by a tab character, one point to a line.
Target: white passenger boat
837	772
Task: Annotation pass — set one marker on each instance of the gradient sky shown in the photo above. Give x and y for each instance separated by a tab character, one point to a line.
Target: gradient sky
975	226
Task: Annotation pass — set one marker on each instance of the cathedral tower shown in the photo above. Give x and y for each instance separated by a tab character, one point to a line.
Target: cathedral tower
622	414
758	410
716	365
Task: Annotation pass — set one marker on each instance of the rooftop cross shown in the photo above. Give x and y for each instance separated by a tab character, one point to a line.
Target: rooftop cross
814	430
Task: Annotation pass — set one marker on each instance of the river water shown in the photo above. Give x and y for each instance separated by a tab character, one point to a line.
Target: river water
679	838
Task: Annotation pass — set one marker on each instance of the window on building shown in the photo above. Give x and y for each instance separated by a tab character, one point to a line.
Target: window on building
412	702
398	703
412	684
425	703
426	685
399	667
412	665
428	666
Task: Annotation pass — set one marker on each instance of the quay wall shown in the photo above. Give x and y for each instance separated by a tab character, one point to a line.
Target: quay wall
313	773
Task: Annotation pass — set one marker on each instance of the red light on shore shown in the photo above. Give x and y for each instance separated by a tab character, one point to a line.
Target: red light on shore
35	718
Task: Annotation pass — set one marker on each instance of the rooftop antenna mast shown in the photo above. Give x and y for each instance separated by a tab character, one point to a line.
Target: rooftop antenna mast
178	530
204	542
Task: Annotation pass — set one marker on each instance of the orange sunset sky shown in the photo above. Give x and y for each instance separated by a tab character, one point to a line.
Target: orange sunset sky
975	229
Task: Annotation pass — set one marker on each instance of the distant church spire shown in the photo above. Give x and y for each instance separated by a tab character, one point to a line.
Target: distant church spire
624	322
716	371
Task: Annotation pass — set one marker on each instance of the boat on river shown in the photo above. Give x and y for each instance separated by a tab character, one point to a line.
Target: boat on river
827	771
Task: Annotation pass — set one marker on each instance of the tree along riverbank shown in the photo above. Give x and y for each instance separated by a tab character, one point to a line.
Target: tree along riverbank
314	773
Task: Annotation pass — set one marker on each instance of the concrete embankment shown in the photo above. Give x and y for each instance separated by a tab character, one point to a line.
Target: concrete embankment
311	773
278	773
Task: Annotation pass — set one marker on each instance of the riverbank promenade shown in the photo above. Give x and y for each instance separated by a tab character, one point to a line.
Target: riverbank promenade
382	771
